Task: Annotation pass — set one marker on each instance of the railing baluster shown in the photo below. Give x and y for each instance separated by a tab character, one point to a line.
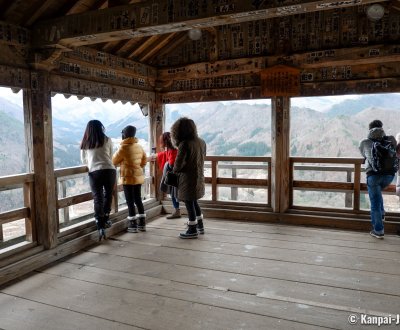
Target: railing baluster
214	176
28	198
234	190
348	201
63	186
357	187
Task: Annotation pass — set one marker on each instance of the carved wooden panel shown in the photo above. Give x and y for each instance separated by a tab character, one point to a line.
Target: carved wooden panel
280	80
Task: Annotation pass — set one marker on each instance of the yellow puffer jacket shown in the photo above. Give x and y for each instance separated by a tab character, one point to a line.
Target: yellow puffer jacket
132	159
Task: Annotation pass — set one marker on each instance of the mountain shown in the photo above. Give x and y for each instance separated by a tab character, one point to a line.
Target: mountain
352	107
234	128
12	145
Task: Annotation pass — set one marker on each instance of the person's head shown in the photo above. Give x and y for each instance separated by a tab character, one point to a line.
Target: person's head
375	124
94	135
183	129
165	141
128	132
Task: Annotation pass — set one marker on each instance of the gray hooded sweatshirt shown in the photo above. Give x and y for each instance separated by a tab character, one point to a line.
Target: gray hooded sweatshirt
366	145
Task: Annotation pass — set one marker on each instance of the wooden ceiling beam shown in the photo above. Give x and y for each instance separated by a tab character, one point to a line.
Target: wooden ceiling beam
311	60
181	37
82	6
158	47
150	42
38	12
162	16
128	47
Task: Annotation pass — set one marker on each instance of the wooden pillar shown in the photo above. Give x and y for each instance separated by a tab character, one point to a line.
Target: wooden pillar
37	109
157	123
280	154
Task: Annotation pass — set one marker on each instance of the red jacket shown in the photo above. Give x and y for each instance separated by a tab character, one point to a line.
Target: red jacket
166	156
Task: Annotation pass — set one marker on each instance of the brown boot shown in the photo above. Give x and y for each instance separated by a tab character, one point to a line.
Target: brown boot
175	215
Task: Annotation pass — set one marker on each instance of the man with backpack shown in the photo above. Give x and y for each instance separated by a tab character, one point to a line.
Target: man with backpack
381	164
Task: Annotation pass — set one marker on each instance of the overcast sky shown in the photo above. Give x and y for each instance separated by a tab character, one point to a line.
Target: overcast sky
316	103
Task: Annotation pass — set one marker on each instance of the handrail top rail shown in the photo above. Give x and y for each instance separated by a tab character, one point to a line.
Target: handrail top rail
66	171
16	179
239	158
327	160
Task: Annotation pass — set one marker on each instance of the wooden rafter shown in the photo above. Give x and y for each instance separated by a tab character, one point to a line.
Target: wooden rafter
180	38
153	51
16	10
112	47
38	12
122	22
129	47
150	42
82	6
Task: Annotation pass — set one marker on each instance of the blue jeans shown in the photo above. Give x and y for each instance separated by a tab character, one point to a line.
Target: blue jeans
175	202
375	184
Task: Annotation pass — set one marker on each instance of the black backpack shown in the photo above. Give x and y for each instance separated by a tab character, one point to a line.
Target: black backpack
383	157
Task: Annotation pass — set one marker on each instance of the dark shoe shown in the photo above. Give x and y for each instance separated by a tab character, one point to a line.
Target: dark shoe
372	233
200	226
175	215
191	232
142	222
132	225
108	222
101	228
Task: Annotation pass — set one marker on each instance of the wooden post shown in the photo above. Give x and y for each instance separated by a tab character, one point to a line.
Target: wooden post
157	123
214	178
63	189
280	153
37	109
234	190
348	199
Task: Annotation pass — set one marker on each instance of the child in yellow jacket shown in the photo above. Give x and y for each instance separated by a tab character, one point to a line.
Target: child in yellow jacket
132	160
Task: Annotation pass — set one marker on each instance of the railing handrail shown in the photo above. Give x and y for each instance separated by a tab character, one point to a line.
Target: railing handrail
10	181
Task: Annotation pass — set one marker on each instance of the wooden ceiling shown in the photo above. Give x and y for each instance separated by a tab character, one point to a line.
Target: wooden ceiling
166	43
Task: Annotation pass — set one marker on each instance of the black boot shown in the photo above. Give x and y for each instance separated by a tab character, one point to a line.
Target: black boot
200	226
191	232
107	221
132	225
101	229
142	222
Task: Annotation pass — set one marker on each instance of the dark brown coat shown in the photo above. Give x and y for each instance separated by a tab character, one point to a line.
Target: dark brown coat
189	163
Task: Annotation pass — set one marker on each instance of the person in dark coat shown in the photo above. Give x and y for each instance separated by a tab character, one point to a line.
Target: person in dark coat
376	181
189	166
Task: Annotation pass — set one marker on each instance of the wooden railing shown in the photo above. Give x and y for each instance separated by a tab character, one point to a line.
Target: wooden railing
351	185
64	202
234	182
24	181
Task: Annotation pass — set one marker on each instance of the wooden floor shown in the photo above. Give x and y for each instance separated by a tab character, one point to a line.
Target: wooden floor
237	276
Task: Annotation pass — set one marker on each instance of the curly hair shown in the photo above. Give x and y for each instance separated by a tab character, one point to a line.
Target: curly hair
183	129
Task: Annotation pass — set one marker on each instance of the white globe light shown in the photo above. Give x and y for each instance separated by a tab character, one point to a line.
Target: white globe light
195	34
375	12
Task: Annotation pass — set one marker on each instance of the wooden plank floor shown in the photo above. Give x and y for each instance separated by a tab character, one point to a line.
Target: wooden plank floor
237	276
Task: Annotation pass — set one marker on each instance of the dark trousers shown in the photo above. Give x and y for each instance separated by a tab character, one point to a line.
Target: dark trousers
132	197
193	209
102	184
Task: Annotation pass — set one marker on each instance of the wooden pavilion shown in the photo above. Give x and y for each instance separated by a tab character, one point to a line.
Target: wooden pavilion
265	273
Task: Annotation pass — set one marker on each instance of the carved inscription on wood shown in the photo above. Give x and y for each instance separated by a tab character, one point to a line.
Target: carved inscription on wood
280	80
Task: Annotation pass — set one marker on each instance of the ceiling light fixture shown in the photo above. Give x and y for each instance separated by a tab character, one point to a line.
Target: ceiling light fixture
375	12
195	34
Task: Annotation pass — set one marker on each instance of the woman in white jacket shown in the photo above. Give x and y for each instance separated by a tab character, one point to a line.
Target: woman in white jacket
96	153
